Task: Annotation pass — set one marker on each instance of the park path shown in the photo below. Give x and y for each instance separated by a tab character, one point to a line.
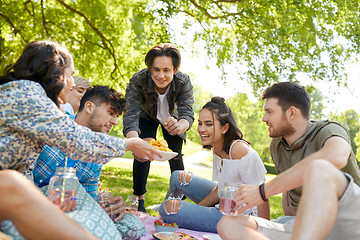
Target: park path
191	163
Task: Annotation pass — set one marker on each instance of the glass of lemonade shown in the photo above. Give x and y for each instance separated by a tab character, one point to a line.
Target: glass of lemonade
227	204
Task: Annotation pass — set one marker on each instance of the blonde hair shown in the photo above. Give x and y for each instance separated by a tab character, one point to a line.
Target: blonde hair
81	82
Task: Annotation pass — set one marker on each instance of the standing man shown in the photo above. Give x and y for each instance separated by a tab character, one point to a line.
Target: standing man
296	143
158	95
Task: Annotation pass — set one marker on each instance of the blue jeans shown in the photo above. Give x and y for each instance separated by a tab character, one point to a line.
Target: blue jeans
191	216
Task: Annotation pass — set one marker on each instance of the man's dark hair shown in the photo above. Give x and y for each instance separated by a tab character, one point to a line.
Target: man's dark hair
43	62
223	113
103	94
290	94
163	49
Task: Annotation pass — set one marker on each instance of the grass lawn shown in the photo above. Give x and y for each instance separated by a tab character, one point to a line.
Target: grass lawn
117	178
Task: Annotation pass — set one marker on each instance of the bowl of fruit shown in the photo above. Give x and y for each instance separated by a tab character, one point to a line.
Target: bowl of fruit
160	226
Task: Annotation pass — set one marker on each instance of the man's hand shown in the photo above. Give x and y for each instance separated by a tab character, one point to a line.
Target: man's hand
247	197
174	127
117	208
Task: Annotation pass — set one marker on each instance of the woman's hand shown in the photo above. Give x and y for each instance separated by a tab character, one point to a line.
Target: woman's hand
68	205
141	150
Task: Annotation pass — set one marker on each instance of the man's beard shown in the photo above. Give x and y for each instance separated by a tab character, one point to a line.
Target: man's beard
92	123
285	129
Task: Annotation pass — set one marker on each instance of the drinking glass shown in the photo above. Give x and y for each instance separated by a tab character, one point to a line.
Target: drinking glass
103	199
63	182
131	204
227	204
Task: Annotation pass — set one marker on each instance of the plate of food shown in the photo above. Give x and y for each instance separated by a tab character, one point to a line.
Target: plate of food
172	236
211	236
163	148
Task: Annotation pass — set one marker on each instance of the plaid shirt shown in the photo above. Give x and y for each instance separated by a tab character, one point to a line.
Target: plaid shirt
51	158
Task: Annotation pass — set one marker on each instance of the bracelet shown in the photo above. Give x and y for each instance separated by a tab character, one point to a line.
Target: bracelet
262	192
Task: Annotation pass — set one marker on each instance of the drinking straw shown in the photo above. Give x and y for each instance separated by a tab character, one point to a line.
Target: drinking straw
100	192
63	184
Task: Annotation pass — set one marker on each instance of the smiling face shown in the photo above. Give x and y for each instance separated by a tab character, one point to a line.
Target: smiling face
75	97
162	73
210	130
102	118
68	84
276	120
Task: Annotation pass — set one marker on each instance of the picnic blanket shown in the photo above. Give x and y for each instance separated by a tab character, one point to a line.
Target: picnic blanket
150	228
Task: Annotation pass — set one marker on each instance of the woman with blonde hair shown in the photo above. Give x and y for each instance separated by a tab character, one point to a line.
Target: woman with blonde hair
77	92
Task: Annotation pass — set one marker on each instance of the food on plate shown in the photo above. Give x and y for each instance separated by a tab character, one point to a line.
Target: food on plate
172	236
158	222
161	223
160	226
161	145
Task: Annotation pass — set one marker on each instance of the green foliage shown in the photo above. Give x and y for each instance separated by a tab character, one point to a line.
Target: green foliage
108	39
248	116
201	98
350	120
317	105
357	143
275	40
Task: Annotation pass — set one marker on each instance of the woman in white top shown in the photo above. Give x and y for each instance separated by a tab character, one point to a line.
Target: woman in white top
234	162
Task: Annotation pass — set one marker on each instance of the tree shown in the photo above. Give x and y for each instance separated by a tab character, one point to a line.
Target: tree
317	105
248	116
274	39
201	98
350	120
108	39
357	142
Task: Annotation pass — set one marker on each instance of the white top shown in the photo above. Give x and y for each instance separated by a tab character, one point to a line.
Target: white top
162	106
68	108
247	170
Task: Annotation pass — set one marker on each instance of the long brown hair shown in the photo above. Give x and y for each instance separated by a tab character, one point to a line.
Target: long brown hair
43	62
223	113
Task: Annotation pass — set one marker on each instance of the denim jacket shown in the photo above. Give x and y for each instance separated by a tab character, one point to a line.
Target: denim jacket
141	100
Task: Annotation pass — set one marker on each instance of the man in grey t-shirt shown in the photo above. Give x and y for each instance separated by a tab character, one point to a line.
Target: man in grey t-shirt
297	144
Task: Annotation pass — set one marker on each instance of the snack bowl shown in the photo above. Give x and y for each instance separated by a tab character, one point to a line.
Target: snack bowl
165	228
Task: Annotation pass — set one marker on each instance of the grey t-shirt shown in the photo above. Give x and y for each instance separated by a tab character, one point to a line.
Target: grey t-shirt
286	156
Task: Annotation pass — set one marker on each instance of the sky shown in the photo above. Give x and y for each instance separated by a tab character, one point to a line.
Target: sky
339	99
204	72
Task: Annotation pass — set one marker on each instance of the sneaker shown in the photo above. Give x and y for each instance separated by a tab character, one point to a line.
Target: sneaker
141	206
154	207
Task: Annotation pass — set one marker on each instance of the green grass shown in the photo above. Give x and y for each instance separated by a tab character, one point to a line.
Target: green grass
117	178
119	182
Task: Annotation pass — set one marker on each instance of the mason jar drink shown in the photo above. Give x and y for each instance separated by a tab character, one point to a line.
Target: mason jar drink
64	180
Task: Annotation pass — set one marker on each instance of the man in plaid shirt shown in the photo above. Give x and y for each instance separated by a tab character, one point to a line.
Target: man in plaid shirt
99	109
